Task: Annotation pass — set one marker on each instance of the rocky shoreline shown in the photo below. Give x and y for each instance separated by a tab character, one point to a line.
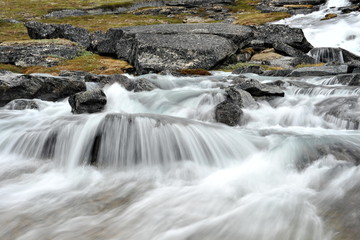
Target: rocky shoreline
266	50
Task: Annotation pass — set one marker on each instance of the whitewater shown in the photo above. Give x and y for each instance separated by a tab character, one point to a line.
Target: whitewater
156	165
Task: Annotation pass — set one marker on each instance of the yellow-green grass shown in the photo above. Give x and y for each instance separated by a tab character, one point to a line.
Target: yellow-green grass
92	63
30	9
104	22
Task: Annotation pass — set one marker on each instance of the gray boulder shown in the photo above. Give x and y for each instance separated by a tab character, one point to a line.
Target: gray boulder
282	37
22	104
229	111
32	53
37	30
154	52
88	101
45	87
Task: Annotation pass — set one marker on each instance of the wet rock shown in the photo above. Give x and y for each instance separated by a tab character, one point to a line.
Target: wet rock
37	30
249	69
320	71
257	89
32	53
341	111
45	87
88	101
141	85
229	111
22	104
333	55
348	79
329	16
277	73
102	80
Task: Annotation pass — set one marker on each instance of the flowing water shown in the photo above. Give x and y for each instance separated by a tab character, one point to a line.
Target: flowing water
155	165
342	31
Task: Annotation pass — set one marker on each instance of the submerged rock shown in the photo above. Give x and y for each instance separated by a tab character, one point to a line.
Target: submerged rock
45	87
341	111
257	89
88	101
22	104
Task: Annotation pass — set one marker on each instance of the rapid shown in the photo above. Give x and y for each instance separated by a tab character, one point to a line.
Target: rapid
156	166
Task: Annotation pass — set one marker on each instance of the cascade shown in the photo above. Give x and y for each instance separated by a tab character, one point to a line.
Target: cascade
156	166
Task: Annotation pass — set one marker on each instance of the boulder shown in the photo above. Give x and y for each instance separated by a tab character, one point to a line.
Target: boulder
45	87
277	73
156	52
37	30
279	35
88	101
320	71
236	33
228	113
22	104
44	52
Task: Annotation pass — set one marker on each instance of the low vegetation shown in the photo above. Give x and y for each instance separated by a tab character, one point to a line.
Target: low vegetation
88	62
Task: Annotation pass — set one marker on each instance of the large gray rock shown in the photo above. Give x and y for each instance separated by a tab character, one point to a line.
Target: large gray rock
37	30
45	87
282	36
32	53
88	101
348	79
154	52
236	33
